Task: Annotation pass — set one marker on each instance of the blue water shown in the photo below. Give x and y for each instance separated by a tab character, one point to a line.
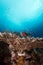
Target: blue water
22	16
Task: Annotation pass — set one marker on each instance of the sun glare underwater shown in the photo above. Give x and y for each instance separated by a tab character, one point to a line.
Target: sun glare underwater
22	15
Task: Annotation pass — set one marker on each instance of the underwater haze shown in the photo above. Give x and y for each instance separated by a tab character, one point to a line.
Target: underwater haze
22	16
